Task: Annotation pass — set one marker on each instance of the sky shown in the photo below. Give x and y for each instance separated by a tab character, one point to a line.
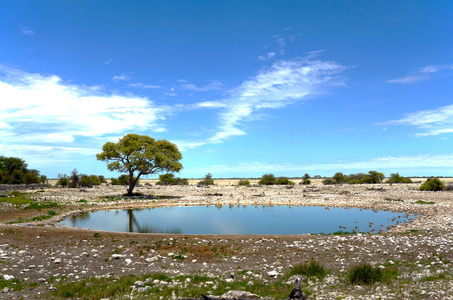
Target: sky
243	88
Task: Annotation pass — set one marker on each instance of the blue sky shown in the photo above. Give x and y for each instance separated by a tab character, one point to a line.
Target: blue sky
243	88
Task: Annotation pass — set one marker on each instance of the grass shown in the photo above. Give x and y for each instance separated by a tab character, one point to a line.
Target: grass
424	202
98	288
40	205
12	285
308	269
366	274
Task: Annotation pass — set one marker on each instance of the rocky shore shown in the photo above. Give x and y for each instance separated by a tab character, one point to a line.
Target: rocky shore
36	261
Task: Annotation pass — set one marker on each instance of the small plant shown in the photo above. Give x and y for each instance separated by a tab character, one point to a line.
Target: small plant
243	182
284	181
268	179
424	202
364	274
83	201
432	184
96	235
306	182
207	180
309	269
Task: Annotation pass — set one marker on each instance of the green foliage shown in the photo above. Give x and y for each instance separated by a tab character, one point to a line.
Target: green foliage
31	178
244	182
328	181
373	177
308	269
89	180
102	179
141	155
284	181
424	202
207	180
63	180
267	179
306	176
306	181
169	179
74	179
396	178
432	184
339	177
40	205
364	274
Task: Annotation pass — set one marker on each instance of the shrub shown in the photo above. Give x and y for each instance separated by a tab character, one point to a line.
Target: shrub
244	182
306	181
268	179
169	179
396	178
63	180
284	181
329	181
432	184
364	274
74	179
207	180
306	176
89	180
354	181
102	179
373	177
339	177
309	269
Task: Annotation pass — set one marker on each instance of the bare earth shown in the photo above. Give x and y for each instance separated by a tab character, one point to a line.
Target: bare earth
421	251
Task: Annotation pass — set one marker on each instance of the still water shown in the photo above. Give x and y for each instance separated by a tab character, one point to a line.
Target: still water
237	220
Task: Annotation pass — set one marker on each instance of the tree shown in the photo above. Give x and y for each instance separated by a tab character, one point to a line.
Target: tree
140	155
432	184
373	177
339	177
75	178
268	179
63	180
207	180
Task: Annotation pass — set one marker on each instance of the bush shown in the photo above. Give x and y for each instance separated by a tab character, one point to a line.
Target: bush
207	180
329	181
284	181
396	178
89	180
268	179
63	180
432	184
309	269
364	274
306	176
169	179
243	182
306	181
339	177
74	179
373	177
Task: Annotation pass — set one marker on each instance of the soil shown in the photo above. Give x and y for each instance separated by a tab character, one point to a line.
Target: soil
36	252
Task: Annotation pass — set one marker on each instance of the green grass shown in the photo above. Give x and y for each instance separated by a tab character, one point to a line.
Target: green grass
308	269
40	205
12	285
424	202
366	274
16	201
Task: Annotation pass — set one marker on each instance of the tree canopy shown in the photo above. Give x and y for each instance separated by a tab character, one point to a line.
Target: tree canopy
139	155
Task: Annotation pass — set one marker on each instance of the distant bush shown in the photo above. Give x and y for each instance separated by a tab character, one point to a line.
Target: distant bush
207	180
89	180
102	179
267	179
306	176
30	178
432	184
121	180
284	181
244	182
309	269
328	181
169	179
396	178
364	274
373	177
306	181
339	177
63	180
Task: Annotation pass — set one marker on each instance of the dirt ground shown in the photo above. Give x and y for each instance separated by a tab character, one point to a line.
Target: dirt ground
38	255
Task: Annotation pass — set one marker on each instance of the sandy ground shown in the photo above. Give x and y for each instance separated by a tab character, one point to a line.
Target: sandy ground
421	251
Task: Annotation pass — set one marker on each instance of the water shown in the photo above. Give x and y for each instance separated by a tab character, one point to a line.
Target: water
237	220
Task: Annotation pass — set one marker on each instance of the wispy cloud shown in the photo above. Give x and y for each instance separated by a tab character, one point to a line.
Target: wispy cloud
44	111
122	77
26	30
144	86
214	85
267	56
423	74
432	122
278	86
388	163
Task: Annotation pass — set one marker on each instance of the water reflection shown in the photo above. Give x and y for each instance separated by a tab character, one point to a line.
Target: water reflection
238	220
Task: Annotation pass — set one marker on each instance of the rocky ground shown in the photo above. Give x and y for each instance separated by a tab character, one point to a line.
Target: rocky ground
38	260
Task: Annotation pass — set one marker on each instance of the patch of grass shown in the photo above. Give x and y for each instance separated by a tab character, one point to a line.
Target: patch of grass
12	285
308	269
424	202
83	201
16	201
366	274
40	205
440	276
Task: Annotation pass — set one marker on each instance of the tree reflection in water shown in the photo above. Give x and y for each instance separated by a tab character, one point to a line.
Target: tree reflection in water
145	229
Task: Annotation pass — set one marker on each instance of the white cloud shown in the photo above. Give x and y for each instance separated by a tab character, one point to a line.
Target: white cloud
267	56
432	122
214	85
207	104
144	86
423	74
42	110
122	77
389	163
26	30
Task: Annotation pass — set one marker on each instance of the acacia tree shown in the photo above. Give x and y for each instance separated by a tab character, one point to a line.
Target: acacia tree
139	155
